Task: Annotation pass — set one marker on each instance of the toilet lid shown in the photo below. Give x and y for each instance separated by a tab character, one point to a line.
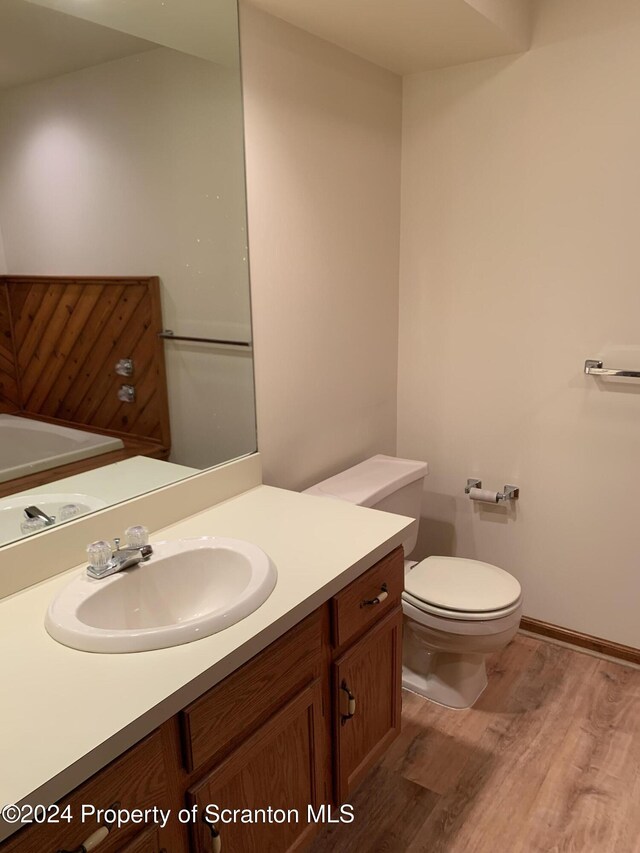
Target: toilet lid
467	586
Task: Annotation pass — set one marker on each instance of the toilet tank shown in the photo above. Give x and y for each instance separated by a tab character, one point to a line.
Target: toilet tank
382	482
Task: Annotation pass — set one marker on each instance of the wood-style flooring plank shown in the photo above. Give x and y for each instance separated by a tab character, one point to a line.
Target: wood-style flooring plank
517	747
580	806
627	835
548	761
438	743
397	808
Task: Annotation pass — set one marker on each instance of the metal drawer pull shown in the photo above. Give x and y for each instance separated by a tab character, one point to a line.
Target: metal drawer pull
91	842
347	703
216	841
382	596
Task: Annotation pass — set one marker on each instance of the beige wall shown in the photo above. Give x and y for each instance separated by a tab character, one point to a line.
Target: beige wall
323	164
520	259
3	263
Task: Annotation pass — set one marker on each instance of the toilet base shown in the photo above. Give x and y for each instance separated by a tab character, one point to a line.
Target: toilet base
453	680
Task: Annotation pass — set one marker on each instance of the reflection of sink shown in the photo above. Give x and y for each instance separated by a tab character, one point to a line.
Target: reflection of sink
187	590
12	509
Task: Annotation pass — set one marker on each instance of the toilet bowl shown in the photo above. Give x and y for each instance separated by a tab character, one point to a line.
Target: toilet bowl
456	611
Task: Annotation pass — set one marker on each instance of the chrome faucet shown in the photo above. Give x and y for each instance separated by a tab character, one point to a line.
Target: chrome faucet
36	512
105	561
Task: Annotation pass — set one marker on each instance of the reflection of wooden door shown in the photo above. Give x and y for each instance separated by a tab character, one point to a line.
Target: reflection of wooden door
9	393
279	767
367	690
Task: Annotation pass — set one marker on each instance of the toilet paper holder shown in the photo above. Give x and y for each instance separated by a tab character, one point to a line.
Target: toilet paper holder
510	492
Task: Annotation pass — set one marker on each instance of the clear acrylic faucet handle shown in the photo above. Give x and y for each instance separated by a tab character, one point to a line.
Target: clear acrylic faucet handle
137	536
99	554
32	525
69	511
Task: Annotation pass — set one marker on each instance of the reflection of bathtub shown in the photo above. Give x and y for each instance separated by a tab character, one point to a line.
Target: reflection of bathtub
27	446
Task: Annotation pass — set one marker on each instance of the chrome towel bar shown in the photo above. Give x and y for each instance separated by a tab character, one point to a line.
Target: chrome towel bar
170	335
595	368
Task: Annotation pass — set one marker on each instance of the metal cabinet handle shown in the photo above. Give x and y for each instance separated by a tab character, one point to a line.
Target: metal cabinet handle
347	703
382	596
216	841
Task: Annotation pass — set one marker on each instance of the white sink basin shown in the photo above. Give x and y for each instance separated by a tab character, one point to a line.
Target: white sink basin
187	590
12	509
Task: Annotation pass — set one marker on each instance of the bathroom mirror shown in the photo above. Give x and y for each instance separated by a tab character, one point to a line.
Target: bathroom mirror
125	328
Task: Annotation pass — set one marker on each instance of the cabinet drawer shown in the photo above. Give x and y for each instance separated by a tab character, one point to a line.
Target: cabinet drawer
357	607
231	710
136	780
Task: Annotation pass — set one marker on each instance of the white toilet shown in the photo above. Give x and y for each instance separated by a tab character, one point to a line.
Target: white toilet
456	611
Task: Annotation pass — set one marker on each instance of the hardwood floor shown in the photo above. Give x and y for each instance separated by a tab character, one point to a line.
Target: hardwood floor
547	760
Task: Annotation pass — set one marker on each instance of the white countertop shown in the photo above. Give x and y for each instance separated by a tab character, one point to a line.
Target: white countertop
64	714
119	480
112	483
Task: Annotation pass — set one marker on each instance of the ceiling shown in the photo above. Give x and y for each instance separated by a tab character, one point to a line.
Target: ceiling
36	44
408	36
204	28
46	38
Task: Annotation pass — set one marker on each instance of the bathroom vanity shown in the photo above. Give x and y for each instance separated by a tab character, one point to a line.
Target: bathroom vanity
287	709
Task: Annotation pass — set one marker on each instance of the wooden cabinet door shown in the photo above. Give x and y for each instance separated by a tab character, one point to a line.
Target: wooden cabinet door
367	683
146	842
136	780
280	767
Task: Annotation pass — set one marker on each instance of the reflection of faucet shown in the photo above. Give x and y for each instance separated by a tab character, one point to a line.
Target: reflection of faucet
36	512
105	562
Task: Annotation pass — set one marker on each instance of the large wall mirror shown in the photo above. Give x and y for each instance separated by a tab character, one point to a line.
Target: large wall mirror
125	327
